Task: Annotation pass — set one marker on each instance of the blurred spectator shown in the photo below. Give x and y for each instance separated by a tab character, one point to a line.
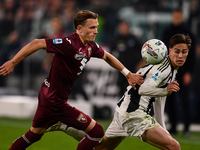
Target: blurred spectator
181	98
194	17
57	28
10	5
7	26
127	49
8	50
107	19
1	10
68	13
40	8
7	21
11	47
54	9
195	86
24	20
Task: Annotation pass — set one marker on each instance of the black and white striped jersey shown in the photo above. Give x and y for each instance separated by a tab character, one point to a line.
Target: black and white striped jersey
157	77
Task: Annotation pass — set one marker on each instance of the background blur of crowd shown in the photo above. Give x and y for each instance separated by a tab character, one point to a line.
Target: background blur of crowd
124	26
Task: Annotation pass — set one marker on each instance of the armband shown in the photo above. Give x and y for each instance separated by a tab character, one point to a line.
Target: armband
125	71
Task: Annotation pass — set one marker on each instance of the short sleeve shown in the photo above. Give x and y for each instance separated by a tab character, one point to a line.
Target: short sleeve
98	51
62	46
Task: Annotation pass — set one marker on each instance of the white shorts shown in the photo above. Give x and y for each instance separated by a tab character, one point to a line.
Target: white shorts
131	124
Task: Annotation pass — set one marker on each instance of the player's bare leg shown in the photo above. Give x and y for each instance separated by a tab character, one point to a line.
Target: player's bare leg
108	143
73	132
160	138
38	130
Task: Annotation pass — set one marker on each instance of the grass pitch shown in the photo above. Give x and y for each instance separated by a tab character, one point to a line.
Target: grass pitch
10	129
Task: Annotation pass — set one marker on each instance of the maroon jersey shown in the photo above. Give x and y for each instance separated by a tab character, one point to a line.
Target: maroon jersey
70	57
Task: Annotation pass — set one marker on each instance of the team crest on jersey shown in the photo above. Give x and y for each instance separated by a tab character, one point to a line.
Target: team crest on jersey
89	51
155	76
57	41
82	118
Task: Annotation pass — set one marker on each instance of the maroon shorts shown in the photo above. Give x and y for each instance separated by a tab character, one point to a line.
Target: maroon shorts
48	114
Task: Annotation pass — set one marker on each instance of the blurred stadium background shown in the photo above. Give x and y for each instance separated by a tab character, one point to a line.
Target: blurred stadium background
96	91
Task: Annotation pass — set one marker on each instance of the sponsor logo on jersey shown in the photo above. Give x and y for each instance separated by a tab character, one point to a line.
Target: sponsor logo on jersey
89	51
155	76
79	56
82	118
69	40
57	41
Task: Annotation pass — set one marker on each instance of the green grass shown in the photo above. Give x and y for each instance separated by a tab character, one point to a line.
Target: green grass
10	129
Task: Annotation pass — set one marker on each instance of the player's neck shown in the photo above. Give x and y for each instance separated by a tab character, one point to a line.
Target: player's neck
82	40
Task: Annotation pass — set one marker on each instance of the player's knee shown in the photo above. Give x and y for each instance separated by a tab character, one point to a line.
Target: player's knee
97	131
174	145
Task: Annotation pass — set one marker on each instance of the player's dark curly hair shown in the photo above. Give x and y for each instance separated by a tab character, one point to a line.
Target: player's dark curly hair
82	15
179	39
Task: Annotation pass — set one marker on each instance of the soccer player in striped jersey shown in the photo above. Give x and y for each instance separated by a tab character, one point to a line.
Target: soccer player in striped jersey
71	54
132	112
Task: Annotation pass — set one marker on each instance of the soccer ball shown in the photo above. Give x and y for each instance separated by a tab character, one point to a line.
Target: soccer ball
154	51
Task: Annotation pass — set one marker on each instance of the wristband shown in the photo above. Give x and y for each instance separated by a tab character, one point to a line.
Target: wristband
125	71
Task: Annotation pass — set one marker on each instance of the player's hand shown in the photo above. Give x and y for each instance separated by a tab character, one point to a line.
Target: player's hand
173	87
134	79
6	68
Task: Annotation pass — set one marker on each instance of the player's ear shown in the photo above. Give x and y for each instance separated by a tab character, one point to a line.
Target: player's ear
79	27
170	50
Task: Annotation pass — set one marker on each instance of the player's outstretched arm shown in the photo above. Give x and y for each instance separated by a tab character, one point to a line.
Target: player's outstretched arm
115	63
27	50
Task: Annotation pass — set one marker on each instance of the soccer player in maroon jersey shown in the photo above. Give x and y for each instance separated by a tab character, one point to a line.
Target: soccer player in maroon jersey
71	54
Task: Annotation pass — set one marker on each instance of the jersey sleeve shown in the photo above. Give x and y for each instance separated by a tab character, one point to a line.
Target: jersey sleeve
150	87
98	51
62	46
